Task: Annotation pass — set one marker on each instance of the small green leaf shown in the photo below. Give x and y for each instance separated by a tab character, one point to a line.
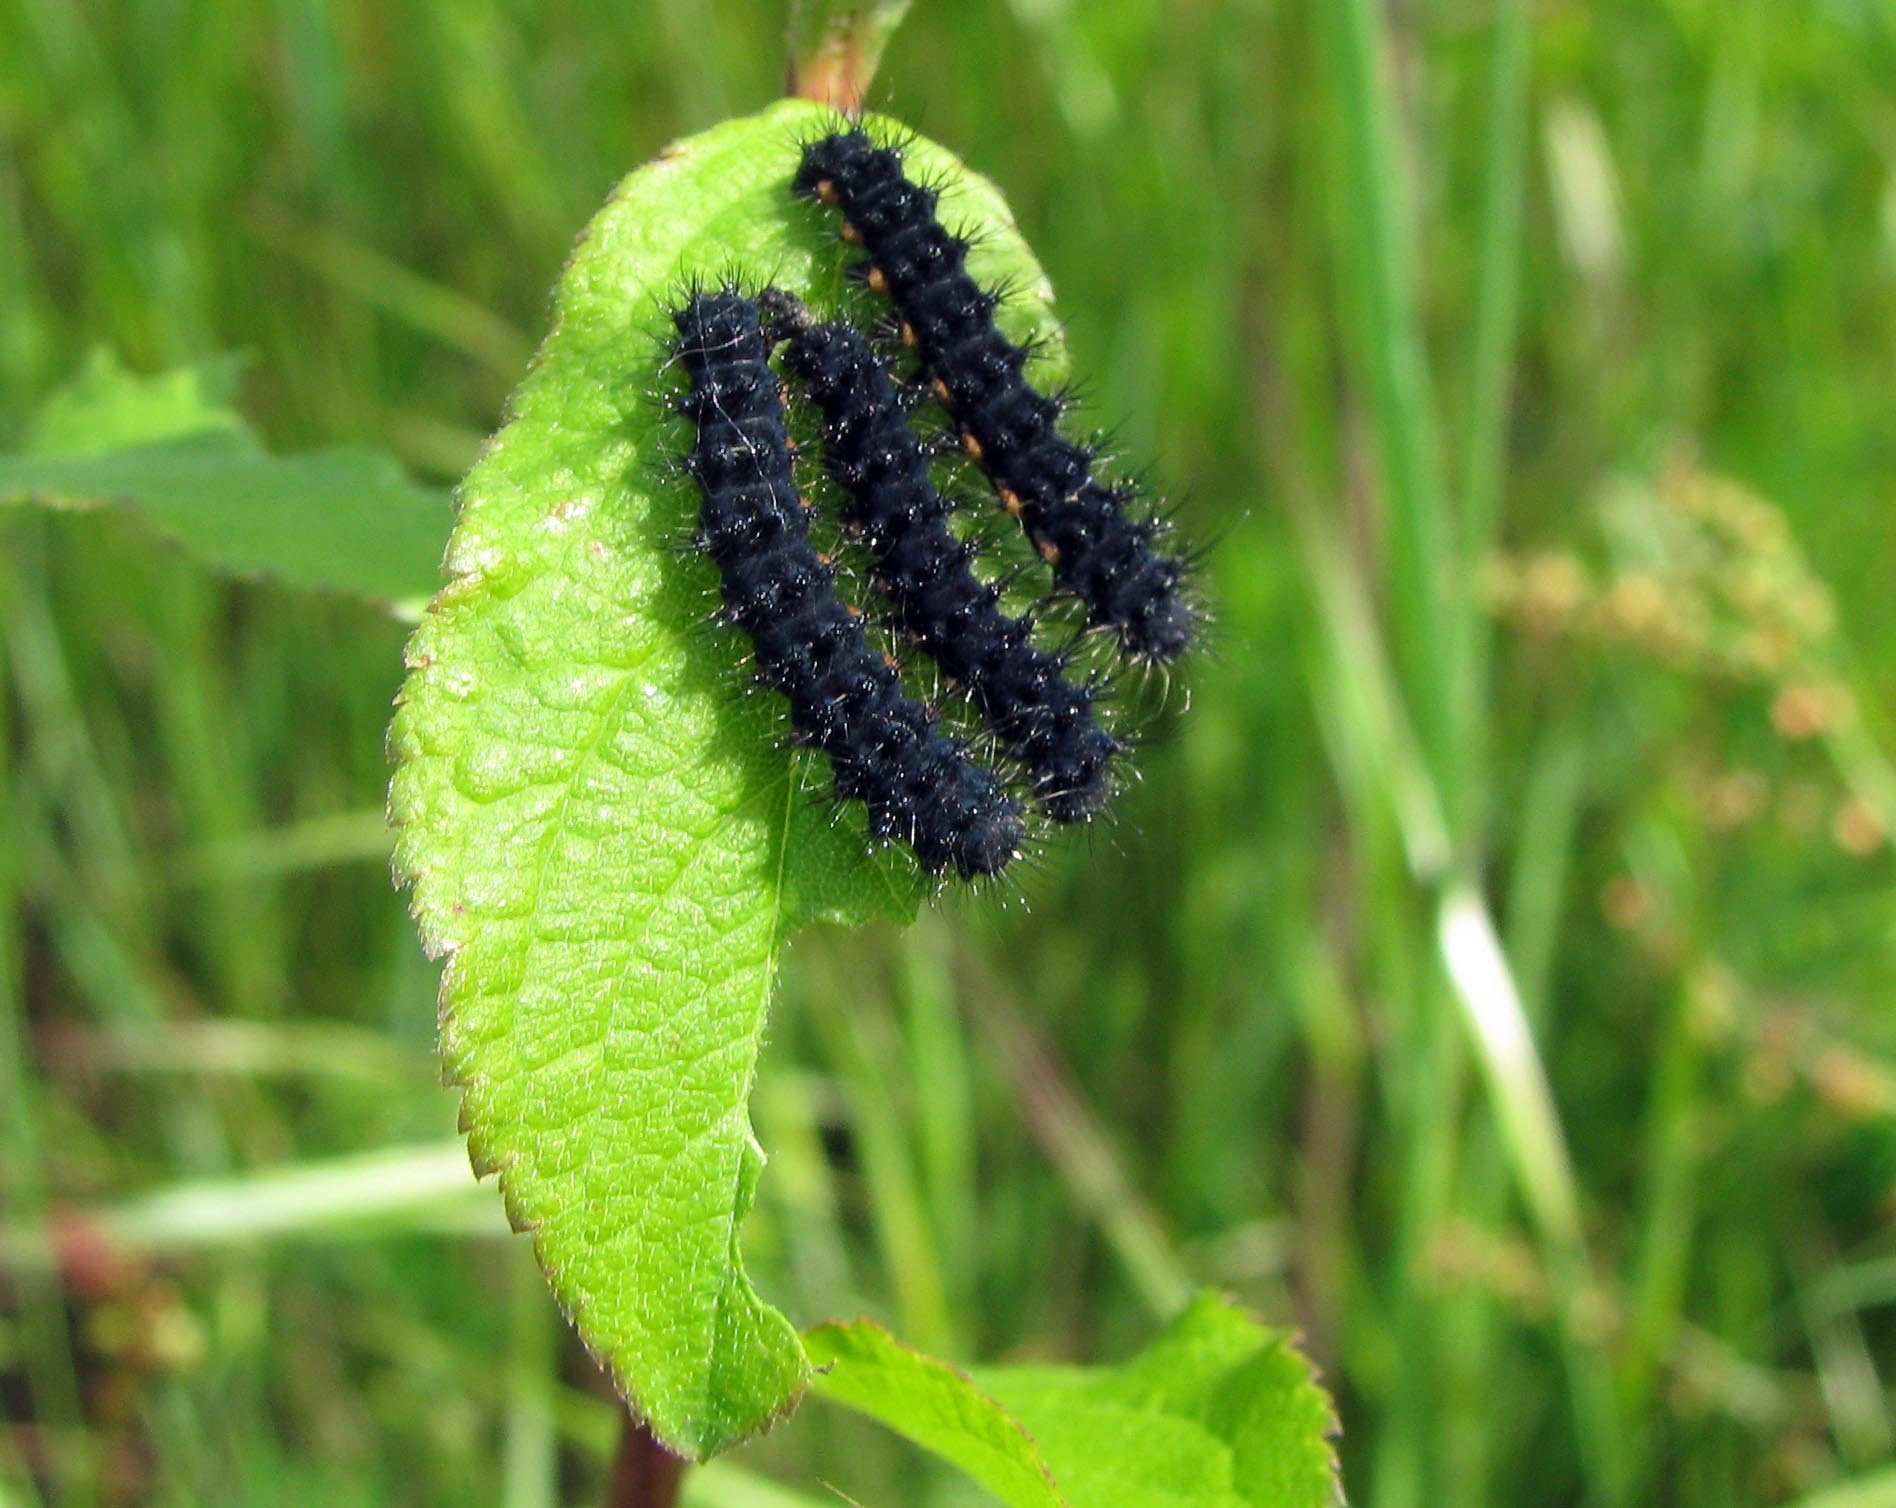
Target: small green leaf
607	839
1219	1410
170	450
929	1402
1218	1413
106	408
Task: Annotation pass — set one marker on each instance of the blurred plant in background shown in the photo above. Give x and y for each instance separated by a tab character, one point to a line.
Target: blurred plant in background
1414	309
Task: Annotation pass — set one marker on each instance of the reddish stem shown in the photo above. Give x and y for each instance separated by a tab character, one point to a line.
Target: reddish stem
644	1473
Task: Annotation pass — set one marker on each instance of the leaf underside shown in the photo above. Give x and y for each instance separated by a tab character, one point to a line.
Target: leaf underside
607	835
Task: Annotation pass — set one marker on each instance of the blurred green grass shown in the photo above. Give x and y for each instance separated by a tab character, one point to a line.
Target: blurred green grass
1220	1044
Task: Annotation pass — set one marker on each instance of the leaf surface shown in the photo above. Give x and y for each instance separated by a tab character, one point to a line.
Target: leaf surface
934	1405
608	840
169	450
1219	1412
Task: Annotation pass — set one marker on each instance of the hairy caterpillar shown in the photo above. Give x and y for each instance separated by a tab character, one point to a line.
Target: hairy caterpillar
1023	693
918	783
1099	552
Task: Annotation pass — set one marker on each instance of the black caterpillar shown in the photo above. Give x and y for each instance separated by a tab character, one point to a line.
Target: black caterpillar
1041	717
1077	522
918	784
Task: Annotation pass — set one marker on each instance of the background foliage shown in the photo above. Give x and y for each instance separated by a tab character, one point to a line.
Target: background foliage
1216	1046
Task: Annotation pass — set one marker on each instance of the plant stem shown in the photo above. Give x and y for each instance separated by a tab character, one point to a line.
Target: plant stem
644	1473
1079	1146
1497	317
1423	583
835	45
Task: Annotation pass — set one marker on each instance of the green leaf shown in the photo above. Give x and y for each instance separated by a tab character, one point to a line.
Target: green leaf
607	839
169	450
1219	1410
929	1402
106	408
1218	1413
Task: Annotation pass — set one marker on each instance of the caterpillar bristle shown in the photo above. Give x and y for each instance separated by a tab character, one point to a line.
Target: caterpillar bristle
844	698
1076	519
927	575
